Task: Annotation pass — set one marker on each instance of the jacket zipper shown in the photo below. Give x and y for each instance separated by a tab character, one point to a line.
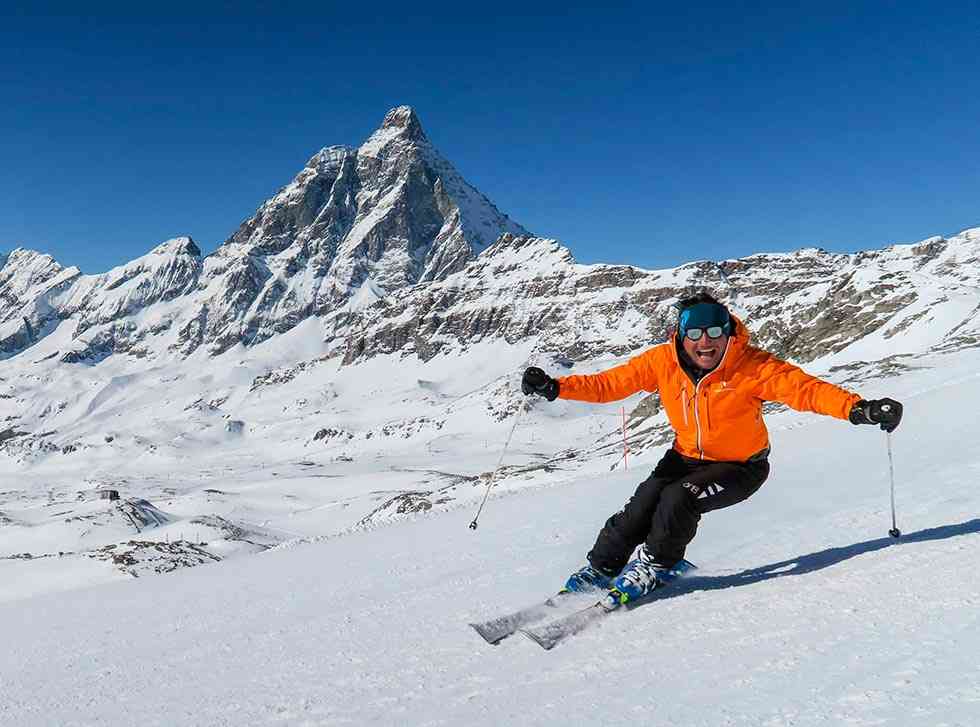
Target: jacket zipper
697	417
707	408
684	401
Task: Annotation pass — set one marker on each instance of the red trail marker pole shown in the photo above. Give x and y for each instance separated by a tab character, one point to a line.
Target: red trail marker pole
626	447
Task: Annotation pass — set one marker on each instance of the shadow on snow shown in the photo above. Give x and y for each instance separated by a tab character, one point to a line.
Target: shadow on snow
815	561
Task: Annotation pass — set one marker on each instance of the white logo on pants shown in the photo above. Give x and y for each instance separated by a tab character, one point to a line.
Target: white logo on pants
713	489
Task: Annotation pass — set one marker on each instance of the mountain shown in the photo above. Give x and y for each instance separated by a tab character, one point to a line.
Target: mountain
387	215
27	279
390	250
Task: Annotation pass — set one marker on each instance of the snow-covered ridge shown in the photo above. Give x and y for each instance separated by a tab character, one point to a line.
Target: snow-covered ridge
802	305
520	288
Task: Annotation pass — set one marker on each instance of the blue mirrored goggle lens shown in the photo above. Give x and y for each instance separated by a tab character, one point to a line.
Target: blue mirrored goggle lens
713	332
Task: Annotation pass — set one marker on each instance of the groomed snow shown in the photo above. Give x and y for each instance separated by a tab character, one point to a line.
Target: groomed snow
803	611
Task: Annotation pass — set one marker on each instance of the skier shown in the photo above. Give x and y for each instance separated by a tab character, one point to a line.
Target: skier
712	384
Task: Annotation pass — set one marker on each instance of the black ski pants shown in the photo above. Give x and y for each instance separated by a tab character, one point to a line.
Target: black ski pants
667	506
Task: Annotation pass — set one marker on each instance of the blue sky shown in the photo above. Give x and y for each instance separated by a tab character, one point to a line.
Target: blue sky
646	133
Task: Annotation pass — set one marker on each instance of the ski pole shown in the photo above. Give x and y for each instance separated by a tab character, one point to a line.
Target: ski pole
894	532
517	420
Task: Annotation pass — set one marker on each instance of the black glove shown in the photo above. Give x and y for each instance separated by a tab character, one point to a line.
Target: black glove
886	412
536	381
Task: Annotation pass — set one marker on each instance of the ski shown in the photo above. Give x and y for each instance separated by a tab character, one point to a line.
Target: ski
550	634
497	629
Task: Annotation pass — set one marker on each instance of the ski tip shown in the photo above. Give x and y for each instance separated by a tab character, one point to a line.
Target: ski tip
545	644
486	636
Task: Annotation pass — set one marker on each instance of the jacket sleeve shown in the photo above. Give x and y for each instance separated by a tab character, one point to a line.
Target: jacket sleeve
777	380
637	374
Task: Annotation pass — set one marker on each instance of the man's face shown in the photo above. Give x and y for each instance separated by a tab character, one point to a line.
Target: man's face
706	352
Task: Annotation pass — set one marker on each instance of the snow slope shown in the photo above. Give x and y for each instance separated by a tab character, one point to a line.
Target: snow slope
803	611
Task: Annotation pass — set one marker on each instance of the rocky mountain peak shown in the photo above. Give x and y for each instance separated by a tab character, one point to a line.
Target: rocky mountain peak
534	255
401	130
24	270
391	213
509	243
404	120
25	256
178	246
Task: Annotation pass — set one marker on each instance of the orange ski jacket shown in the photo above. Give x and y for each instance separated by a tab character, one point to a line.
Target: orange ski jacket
720	417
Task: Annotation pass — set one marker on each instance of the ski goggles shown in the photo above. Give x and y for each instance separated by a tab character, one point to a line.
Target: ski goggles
695	334
712	319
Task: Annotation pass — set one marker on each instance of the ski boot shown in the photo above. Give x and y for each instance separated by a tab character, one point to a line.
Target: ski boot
586	579
640	577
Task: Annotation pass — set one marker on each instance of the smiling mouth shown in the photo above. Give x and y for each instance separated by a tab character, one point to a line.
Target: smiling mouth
706	354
